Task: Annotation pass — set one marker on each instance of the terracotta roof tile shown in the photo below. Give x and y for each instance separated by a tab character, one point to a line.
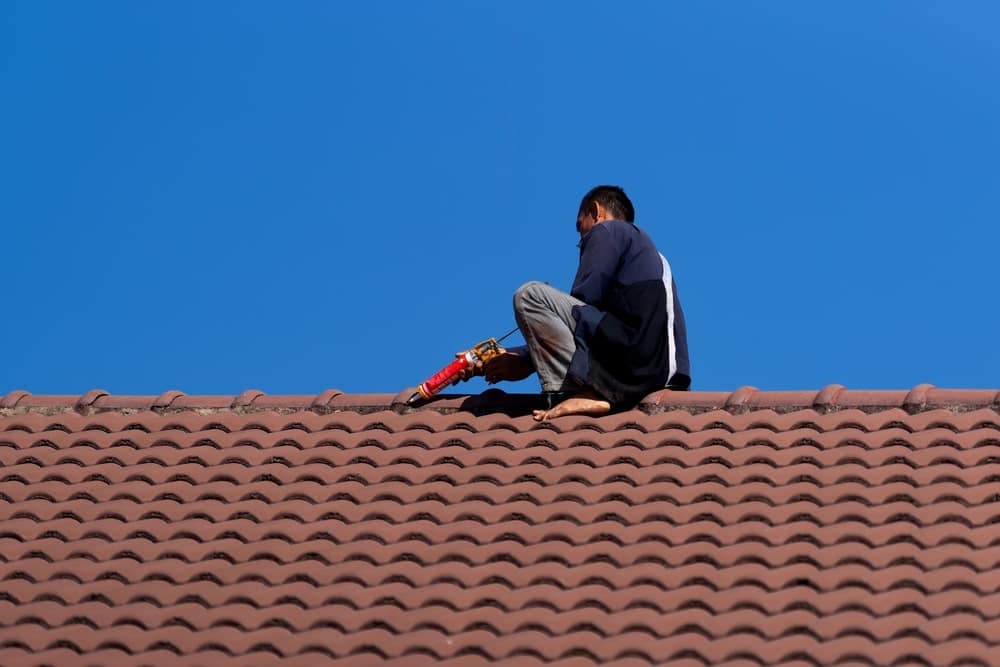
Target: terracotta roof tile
834	527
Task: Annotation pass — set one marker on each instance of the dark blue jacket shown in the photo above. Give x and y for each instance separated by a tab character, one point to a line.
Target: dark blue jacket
630	335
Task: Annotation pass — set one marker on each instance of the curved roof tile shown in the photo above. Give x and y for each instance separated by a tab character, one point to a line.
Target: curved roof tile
827	527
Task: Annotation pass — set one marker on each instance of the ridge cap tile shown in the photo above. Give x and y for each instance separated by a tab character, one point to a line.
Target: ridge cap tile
832	398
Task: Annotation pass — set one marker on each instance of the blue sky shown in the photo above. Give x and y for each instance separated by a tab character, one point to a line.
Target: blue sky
219	196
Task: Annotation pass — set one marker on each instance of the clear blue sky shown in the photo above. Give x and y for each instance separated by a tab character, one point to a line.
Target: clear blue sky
215	196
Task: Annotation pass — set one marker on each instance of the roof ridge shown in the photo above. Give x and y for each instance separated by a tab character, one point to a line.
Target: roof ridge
831	398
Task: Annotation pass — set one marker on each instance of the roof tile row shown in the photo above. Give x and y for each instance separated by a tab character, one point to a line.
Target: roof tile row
632	427
832	397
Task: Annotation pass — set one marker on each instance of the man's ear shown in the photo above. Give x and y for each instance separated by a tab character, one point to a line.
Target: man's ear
598	211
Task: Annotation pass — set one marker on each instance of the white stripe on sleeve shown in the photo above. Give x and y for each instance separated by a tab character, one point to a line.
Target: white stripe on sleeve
668	284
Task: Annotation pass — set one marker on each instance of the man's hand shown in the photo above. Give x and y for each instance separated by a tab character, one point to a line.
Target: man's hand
470	372
505	366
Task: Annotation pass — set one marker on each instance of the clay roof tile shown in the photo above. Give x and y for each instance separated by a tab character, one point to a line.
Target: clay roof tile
837	526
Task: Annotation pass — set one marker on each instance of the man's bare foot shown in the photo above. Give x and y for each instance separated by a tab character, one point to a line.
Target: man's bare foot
584	403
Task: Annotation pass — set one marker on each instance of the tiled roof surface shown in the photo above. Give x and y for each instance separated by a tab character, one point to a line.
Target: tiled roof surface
745	529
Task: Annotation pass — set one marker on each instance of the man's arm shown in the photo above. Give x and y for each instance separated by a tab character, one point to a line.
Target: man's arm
521	350
598	264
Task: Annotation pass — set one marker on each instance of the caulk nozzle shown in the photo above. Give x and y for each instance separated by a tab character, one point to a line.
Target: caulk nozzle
414	399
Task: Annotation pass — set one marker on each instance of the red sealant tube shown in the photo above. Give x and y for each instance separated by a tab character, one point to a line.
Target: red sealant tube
444	377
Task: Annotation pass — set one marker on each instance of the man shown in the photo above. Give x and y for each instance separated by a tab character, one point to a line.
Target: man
618	336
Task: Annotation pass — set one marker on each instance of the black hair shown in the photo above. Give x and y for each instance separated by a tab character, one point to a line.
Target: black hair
611	197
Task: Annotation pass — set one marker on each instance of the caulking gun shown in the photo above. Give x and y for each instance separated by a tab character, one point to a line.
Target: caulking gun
450	374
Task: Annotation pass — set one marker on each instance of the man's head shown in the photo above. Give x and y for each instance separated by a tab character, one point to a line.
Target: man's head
605	202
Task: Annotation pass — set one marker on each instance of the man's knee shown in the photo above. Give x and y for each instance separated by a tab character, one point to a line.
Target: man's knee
527	293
